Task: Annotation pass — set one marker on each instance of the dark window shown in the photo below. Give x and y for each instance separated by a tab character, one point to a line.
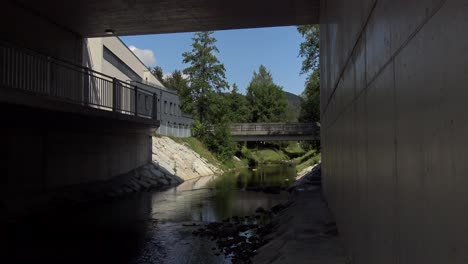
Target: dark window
120	65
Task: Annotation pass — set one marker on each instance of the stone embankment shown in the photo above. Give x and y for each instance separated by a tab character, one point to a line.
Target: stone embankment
177	159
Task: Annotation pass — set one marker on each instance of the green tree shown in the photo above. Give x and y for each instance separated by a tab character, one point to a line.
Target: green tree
262	77
238	110
309	49
158	73
206	75
310	98
267	102
176	81
206	83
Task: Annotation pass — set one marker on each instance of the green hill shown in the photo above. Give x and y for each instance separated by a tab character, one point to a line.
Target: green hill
294	106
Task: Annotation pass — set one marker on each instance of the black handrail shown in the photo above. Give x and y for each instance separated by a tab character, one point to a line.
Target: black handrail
31	71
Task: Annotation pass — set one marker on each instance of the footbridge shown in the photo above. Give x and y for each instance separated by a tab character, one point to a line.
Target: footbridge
274	131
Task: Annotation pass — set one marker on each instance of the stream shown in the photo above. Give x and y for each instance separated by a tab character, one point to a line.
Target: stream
149	227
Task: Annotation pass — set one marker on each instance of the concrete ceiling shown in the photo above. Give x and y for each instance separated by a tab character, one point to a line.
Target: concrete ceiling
91	18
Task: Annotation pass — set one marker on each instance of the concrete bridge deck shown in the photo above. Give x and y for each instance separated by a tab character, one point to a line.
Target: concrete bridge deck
273	131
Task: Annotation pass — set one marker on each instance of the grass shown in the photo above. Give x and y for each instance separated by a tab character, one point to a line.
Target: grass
294	148
197	146
263	155
310	158
268	155
303	161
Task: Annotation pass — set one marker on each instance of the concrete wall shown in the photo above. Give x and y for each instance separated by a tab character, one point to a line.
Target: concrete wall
173	123
394	126
55	149
93	58
28	29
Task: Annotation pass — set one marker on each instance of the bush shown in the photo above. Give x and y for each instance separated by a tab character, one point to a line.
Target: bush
219	141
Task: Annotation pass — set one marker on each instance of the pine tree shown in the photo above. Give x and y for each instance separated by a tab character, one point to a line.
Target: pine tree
267	101
206	74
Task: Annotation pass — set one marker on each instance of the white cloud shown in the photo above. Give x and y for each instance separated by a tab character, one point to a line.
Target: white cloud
145	55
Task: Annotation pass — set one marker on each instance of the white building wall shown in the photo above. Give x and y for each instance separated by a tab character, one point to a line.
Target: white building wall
94	58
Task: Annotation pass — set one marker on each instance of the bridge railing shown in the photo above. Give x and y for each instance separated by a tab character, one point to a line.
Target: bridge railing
42	75
241	128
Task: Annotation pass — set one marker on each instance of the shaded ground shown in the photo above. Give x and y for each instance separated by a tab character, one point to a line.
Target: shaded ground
305	231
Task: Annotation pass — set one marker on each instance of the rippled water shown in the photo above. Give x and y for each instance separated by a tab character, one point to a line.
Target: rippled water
152	227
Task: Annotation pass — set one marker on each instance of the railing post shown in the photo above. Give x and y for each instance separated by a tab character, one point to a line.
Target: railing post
49	76
114	94
86	86
136	100
155	106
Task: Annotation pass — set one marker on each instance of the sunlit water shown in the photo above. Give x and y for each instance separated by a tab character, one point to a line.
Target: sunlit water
151	227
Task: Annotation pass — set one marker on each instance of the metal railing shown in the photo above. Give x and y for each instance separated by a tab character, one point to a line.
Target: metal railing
239	128
42	75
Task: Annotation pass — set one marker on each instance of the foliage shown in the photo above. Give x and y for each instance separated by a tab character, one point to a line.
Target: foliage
309	162
178	83
263	76
198	130
204	97
310	98
310	107
310	48
206	75
238	110
267	101
294	107
220	142
293	150
268	155
158	73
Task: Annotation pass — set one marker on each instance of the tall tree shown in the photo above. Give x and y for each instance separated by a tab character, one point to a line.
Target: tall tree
310	98
158	73
206	74
263	76
267	101
238	110
309	49
176	81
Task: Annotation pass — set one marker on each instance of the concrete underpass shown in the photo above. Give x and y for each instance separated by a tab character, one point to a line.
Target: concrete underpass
393	110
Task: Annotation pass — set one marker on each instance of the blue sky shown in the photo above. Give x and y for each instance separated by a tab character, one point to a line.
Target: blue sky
241	51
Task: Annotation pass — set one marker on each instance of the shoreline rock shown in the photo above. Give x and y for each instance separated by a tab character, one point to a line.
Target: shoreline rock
145	178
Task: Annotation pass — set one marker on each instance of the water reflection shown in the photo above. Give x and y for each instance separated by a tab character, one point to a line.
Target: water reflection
144	228
209	199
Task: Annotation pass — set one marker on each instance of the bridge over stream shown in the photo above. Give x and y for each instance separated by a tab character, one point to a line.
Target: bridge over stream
274	131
